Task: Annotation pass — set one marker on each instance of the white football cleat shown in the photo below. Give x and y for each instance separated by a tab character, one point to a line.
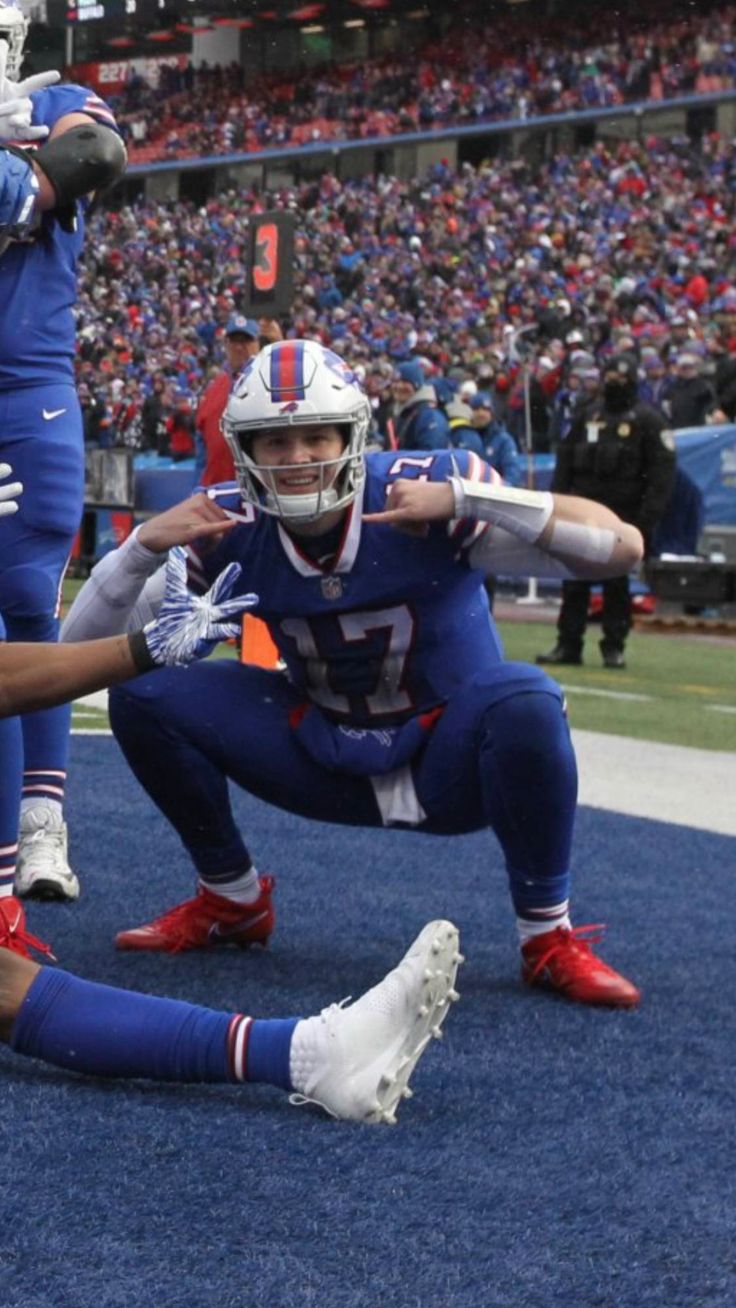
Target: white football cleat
43	870
356	1062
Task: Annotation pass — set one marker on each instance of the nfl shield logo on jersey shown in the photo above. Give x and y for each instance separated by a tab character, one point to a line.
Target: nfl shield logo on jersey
332	588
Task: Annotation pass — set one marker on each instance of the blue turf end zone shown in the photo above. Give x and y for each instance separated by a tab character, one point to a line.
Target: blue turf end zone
552	1154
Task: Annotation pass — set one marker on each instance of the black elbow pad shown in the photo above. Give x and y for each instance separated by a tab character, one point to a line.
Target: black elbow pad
84	159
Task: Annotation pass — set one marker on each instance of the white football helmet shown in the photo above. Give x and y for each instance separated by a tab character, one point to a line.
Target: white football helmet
13	29
297	384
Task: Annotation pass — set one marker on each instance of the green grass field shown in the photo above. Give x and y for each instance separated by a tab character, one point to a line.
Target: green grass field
680	689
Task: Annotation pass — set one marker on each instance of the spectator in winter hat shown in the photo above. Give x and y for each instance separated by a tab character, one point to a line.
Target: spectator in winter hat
654	379
500	448
242	342
462	428
689	397
416	423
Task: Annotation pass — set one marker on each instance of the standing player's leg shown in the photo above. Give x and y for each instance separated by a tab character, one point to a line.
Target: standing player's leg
186	731
50	463
354	1061
501	756
12	916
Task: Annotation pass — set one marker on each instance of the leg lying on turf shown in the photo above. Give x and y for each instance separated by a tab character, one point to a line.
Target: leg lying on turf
354	1061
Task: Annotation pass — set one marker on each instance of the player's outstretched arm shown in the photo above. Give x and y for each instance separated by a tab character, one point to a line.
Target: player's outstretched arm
585	539
39	676
187	628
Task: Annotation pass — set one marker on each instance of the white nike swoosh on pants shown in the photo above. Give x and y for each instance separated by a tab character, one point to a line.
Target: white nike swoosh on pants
52	413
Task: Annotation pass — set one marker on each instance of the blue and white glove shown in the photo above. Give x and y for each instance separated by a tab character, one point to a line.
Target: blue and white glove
18	193
188	626
16	106
9	494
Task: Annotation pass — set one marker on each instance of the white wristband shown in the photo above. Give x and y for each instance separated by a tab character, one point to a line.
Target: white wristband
524	513
581	542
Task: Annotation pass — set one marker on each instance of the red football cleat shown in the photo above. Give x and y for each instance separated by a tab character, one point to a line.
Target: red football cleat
204	921
563	960
13	934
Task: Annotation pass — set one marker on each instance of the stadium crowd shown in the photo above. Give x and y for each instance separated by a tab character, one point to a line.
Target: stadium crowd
626	247
514	68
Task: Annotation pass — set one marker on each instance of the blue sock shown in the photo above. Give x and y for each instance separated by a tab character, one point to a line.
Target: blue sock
269	1047
102	1031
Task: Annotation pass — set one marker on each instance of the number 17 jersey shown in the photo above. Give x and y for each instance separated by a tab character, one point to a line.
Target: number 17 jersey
389	624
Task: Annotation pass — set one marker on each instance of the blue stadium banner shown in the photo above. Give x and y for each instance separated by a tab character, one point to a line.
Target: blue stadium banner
708	455
270	269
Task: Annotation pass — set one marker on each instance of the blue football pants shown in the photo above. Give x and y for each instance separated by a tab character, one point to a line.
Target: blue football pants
41	438
500	757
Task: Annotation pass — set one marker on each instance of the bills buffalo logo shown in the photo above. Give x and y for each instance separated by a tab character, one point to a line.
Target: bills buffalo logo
291	407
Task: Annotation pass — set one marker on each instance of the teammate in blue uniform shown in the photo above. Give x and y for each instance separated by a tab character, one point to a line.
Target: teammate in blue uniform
356	1062
397	707
41	436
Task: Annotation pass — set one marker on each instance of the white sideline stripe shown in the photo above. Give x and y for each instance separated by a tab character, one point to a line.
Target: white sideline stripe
668	783
607	694
97	700
721	708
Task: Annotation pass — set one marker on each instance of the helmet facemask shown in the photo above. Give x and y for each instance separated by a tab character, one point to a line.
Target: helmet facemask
328	395
13	28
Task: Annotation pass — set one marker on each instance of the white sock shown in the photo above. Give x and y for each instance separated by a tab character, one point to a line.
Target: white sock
306	1053
244	889
26	805
528	930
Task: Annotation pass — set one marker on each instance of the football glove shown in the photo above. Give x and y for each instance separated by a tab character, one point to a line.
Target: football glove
8	494
189	626
16	106
18	191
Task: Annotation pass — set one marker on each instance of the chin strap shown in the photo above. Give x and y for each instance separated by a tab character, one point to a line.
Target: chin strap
302	508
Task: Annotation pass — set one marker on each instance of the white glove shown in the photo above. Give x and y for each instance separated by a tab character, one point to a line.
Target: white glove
189	626
16	106
9	494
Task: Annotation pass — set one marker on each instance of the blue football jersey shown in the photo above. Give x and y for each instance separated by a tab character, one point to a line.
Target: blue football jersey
38	277
393	623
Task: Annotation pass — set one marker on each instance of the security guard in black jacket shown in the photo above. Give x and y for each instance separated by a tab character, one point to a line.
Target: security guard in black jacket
620	453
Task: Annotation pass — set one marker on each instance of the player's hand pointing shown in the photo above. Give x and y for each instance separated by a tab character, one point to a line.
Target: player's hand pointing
411	505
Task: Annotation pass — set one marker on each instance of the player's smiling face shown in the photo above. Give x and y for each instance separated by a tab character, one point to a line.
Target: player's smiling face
298	452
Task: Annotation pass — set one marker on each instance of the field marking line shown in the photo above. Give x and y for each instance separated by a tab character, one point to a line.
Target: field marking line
666	783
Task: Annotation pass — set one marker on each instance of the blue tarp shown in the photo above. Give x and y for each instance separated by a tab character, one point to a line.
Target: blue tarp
708	455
